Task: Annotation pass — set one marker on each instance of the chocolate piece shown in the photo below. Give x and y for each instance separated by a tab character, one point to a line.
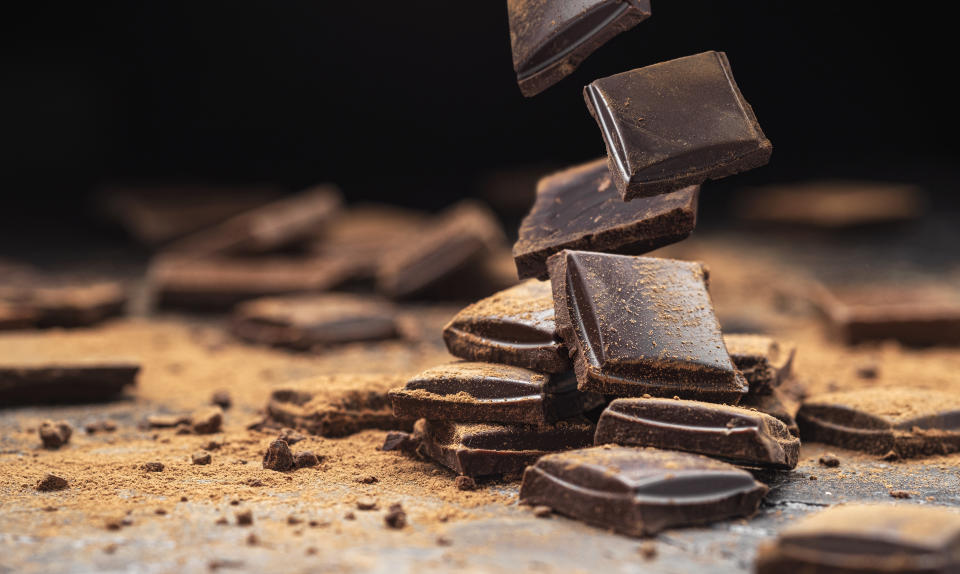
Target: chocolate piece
337	405
775	404
483	449
640	325
514	326
207	421
55	434
675	124
550	39
579	208
640	491
52	482
278	456
734	434
201	458
909	422
861	538
764	362
61	381
305	459
14	316
489	392
307	321
46	302
461	236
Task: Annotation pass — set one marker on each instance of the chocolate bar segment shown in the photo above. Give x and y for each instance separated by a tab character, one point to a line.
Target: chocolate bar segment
550	39
61	381
640	491
579	208
514	327
62	302
641	325
764	361
734	434
776	404
675	124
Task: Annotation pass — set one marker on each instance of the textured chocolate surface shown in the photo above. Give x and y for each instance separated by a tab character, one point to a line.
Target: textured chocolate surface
764	361
483	449
640	491
734	434
550	39
64	381
641	325
867	538
579	208
675	124
514	327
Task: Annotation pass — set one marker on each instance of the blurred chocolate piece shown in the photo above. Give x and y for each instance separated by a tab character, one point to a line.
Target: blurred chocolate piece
59	381
62	302
776	404
641	325
337	405
675	124
16	316
306	321
490	392
483	449
734	434
514	327
510	190
550	39
909	422
640	491
764	362
861	538
579	208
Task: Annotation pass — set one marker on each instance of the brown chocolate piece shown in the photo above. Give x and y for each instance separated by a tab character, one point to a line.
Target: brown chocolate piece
207	421
775	404
55	434
909	422
580	209
550	39
514	326
482	449
640	491
490	392
337	405
307	321
764	362
675	124
278	456
52	482
16	316
61	381
641	325
734	434
861	538
59	302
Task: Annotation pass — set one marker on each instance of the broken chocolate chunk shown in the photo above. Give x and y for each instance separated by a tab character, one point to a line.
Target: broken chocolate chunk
775	404
55	434
278	456
764	362
60	381
207	421
201	458
52	482
305	459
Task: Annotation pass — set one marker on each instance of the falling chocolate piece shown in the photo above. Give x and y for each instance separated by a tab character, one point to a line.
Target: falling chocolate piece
550	39
764	362
861	538
482	449
734	434
675	124
641	325
337	405
909	422
775	404
490	392
579	208
640	491
64	381
514	326
307	321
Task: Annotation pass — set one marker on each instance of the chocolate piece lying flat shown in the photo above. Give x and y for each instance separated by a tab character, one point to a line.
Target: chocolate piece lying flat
910	422
579	208
307	321
640	325
640	491
457	238
482	449
514	326
734	434
764	362
675	124
775	404
62	381
861	538
337	405
62	302
550	39
489	392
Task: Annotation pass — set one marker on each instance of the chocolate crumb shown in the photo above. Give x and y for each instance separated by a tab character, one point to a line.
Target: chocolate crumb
868	371
50	509
183	499
401	441
366	504
278	456
829	460
222	399
396	517
201	458
100	426
222	521
153	466
208	421
369	479
305	459
899	494
348	516
55	434
813	477
293	520
465	483
52	482
542	511
291	436
648	550
160	511
244	518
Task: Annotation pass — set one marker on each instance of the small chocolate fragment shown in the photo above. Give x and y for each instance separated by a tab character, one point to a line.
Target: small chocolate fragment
864	538
244	518
307	321
908	422
482	449
207	421
775	404
278	456
465	483
641	325
490	392
640	491
337	405
167	421
52	482
59	381
100	426
579	208
201	458
305	459
152	466
734	434
222	399
39	301
514	327
550	39
675	124
55	434
764	362
829	460
396	517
